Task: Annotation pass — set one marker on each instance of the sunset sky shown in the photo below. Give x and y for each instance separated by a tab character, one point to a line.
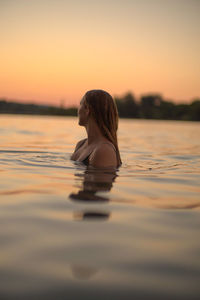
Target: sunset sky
53	51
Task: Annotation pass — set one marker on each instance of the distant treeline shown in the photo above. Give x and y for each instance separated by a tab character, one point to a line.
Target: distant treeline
148	107
154	107
33	109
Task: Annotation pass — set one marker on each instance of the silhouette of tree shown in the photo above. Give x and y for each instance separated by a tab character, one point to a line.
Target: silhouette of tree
150	106
194	110
127	106
167	110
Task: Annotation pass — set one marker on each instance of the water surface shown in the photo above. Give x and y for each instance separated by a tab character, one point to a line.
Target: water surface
69	232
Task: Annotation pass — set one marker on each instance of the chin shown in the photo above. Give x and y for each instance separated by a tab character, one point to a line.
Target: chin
81	123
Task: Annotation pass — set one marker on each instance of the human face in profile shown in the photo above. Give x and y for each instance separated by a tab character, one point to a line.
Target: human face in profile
83	112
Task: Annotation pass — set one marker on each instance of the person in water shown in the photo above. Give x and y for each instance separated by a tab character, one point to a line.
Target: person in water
98	114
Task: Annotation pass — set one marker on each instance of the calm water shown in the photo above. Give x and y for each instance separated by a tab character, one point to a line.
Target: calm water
69	233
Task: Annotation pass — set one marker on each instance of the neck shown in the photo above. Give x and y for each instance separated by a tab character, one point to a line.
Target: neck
93	132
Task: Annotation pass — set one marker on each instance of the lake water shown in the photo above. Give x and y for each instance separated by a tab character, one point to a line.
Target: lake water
71	233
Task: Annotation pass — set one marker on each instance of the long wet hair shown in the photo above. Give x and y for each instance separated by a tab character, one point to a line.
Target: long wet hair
104	111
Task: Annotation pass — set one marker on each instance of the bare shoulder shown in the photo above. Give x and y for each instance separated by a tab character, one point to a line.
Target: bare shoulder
80	143
104	155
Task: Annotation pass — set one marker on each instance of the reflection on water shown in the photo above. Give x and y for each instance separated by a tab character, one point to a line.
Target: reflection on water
71	232
91	215
82	272
94	181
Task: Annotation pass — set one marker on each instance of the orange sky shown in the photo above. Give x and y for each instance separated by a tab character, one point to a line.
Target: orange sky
55	50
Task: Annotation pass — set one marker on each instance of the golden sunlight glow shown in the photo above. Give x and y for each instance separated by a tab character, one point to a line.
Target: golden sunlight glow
54	50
